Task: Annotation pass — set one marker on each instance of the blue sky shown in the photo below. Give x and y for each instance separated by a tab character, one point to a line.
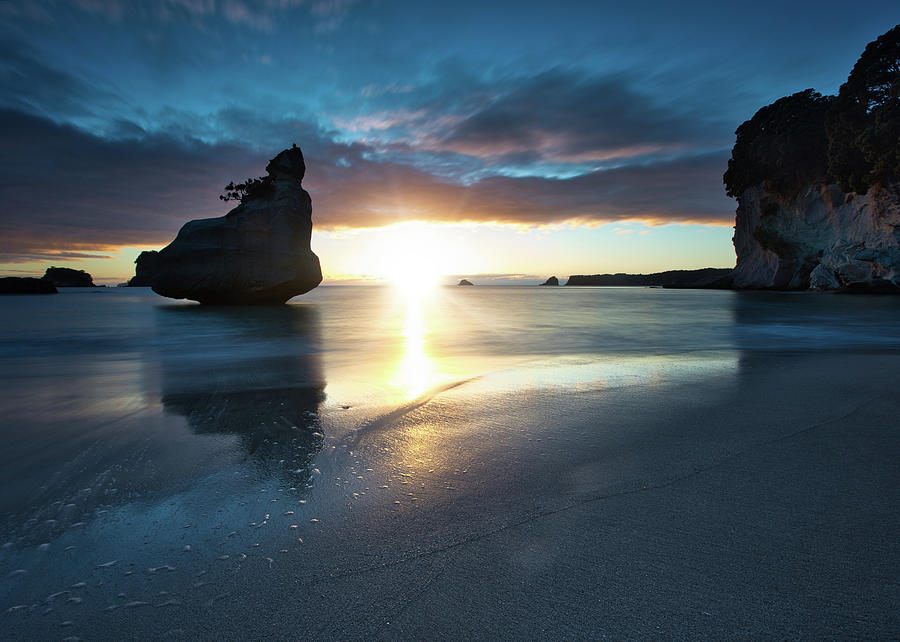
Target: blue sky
122	120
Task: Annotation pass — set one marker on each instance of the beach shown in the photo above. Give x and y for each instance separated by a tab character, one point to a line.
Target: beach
497	463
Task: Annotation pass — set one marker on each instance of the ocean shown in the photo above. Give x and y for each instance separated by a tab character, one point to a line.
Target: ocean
163	463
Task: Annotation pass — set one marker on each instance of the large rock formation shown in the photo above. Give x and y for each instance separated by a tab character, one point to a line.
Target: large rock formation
821	238
258	253
817	180
551	281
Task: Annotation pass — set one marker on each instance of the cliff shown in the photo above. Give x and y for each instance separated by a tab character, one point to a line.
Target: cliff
258	253
822	238
817	180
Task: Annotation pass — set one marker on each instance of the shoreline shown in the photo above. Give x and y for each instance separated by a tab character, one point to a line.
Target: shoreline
726	503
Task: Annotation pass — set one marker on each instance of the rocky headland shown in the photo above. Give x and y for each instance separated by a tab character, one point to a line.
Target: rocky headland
703	278
258	253
551	281
817	181
26	285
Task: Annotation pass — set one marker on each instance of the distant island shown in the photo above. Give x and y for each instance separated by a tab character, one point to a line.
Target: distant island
465	282
68	278
54	277
551	281
719	278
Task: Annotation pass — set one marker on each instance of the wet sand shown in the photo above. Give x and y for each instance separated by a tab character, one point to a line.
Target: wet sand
725	495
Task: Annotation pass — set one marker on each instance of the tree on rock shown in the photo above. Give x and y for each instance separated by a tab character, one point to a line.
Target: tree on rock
251	188
864	126
783	145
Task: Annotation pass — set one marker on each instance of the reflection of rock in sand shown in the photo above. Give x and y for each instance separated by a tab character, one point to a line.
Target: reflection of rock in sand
251	372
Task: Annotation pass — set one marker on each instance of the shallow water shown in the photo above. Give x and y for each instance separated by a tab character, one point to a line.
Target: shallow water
146	443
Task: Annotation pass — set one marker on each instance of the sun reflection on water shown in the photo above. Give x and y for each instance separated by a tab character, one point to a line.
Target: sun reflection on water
416	370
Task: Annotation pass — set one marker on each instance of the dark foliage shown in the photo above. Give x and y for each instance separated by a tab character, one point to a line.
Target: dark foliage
784	145
853	138
864	126
261	188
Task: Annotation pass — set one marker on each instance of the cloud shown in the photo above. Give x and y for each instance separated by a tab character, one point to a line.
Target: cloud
529	121
259	15
67	190
558	147
50	256
30	84
566	116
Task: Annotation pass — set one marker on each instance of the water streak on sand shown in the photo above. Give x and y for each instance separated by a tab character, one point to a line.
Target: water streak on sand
386	420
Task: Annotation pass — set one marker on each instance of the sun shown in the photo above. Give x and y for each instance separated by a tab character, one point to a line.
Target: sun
411	256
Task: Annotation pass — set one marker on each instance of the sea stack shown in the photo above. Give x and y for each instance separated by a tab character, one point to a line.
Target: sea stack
551	281
465	282
258	253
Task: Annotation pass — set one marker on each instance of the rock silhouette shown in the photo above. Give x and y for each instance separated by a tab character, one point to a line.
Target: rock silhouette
258	253
68	278
702	278
25	285
551	281
465	282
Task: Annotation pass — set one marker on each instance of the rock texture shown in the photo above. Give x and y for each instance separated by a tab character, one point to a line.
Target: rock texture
258	253
821	238
68	278
551	281
26	285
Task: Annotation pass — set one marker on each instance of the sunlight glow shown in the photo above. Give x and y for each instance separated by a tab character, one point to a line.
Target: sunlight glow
411	256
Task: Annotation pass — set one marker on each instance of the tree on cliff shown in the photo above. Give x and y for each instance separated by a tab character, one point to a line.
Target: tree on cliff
783	145
864	126
853	139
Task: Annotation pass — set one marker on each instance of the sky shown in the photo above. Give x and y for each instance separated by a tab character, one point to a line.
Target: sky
510	140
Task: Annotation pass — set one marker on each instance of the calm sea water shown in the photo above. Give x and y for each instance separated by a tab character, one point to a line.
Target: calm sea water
126	418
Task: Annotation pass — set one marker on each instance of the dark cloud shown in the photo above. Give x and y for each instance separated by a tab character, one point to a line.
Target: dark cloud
564	115
555	122
260	15
64	189
30	84
67	190
370	194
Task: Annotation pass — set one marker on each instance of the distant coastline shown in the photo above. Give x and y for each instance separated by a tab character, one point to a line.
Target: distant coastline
705	278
